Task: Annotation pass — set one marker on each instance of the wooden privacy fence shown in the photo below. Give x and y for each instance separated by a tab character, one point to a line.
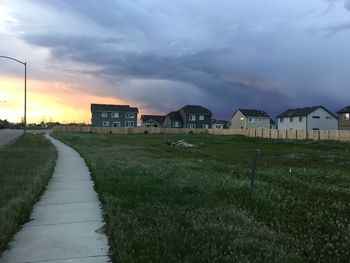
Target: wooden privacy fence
321	135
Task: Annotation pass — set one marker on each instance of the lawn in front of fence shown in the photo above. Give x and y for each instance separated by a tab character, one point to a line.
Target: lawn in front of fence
173	204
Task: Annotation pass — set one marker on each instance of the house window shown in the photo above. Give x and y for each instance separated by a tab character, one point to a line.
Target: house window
291	119
300	119
191	126
129	115
281	120
260	120
129	124
316	129
192	117
315	117
176	124
328	117
104	114
116	124
105	123
205	126
115	114
250	119
201	117
346	116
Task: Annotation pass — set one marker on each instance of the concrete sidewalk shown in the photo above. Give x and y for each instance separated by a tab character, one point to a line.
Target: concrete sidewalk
67	222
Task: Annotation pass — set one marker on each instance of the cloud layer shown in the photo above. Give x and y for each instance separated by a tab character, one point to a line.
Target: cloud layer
161	55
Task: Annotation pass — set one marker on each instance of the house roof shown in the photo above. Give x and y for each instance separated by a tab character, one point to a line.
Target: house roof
344	110
109	107
297	112
174	116
196	109
252	113
154	118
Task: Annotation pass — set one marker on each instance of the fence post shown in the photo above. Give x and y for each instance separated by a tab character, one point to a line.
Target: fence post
254	167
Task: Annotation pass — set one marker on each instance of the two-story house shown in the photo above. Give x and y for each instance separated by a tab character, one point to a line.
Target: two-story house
152	120
250	119
308	118
344	118
106	115
195	116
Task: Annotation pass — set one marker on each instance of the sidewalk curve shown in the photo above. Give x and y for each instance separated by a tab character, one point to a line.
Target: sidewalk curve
66	223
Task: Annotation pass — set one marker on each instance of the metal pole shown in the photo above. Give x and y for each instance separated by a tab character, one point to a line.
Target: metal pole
25	90
25	97
254	167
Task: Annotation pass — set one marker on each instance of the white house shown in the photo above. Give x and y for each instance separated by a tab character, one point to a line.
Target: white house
308	118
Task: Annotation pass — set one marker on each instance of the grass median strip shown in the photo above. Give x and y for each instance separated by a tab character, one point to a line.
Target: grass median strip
25	169
169	204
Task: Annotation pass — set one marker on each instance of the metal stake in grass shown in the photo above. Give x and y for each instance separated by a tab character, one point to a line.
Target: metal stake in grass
254	168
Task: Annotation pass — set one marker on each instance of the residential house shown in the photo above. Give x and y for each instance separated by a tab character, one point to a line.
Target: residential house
195	116
250	119
172	120
106	115
152	120
308	118
219	124
344	118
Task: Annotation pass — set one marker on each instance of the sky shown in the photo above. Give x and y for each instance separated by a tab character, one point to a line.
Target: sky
161	55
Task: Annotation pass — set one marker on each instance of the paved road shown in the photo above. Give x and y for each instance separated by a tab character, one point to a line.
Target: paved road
66	223
8	135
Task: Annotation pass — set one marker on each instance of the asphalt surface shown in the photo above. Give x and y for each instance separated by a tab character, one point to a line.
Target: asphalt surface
7	136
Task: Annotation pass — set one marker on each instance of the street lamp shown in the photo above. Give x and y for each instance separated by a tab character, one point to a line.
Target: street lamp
25	90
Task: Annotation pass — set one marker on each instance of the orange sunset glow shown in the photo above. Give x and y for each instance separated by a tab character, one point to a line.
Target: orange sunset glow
47	101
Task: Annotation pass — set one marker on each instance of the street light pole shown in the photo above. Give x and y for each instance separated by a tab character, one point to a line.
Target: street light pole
25	89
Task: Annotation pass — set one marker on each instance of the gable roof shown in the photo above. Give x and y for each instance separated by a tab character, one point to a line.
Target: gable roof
110	107
174	116
344	110
154	118
196	109
252	113
297	112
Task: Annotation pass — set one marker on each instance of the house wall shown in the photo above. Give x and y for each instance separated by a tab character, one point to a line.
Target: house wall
343	124
296	124
238	123
97	119
199	124
167	123
150	123
326	121
217	126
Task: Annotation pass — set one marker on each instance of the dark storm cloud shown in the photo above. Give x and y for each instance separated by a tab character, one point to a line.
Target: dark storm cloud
224	55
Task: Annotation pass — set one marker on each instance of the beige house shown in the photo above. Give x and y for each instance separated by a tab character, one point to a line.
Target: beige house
344	118
250	119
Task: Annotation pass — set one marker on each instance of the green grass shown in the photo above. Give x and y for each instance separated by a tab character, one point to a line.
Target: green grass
165	204
25	168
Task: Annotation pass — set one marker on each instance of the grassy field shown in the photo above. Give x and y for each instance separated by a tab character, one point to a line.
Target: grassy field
166	204
25	168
